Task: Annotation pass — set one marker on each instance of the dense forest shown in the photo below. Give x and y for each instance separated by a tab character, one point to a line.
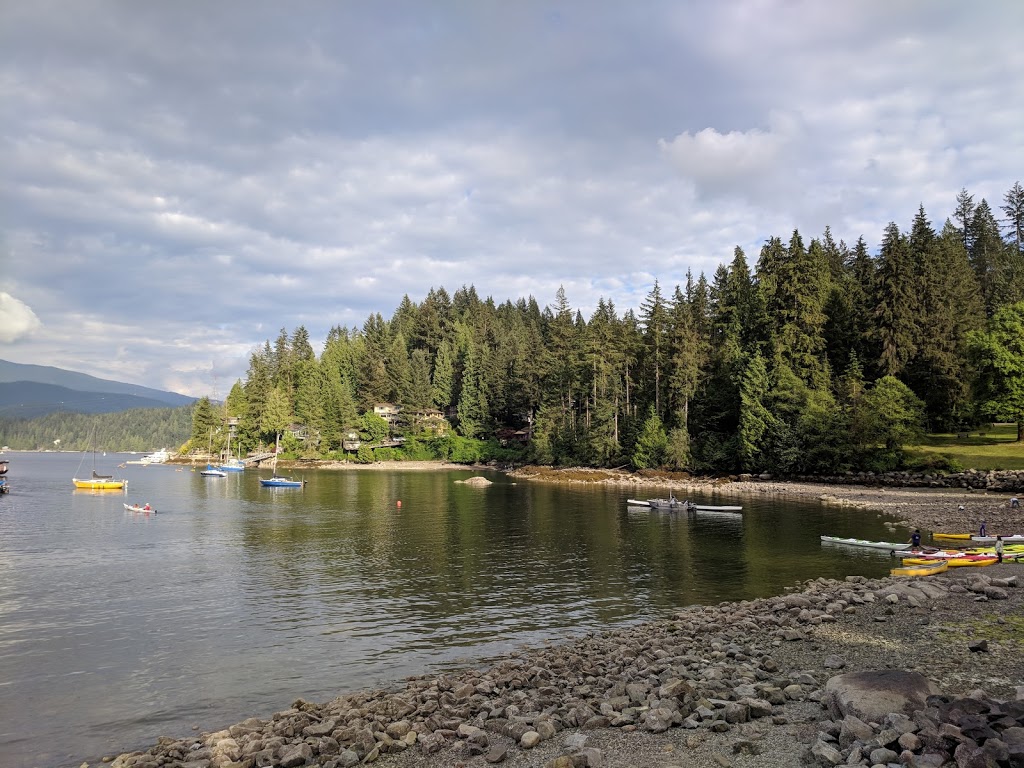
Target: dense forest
821	356
138	429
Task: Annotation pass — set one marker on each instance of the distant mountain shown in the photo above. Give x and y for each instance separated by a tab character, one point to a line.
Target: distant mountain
27	391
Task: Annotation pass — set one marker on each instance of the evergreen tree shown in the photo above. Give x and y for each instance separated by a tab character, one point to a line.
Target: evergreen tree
687	354
988	258
950	308
419	395
257	389
310	402
398	369
799	301
373	384
654	321
964	214
472	408
204	422
443	382
651	443
1013	207
277	416
756	420
235	403
897	309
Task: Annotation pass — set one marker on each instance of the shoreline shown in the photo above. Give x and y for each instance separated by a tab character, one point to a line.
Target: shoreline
934	509
737	685
578	703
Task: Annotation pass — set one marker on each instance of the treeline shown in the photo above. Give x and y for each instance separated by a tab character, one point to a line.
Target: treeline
822	356
139	429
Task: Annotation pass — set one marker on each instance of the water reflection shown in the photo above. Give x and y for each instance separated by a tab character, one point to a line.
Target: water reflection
236	599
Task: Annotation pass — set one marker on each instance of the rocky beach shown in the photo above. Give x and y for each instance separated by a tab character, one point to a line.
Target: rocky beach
894	671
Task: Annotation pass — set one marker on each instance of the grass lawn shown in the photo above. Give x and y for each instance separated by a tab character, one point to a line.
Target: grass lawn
994	447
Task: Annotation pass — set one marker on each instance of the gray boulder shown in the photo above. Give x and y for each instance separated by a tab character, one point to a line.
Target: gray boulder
873	694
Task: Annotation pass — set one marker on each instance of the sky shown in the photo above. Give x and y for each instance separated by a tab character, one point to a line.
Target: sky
180	181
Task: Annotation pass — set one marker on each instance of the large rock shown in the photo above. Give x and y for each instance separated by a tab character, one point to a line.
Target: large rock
872	695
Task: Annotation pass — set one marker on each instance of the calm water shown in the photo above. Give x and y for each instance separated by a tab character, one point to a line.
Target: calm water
235	600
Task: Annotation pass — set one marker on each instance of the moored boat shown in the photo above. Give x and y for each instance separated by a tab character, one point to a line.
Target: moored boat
96	481
276	481
891	546
682	505
99	483
212	471
281	482
923	569
669	503
157	457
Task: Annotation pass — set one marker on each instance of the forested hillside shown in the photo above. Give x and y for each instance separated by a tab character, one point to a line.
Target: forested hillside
139	429
819	356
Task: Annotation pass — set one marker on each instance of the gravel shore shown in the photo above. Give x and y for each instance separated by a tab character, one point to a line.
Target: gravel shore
737	684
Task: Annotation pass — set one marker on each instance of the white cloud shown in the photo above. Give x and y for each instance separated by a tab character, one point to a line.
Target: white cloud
723	163
17	320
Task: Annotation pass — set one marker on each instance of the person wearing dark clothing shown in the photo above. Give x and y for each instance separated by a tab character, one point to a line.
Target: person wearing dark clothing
915	539
999	548
981	531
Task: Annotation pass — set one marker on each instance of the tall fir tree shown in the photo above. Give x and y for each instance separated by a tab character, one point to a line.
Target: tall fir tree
897	307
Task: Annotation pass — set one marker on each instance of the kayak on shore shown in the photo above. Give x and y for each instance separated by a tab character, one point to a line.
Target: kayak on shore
954	562
923	569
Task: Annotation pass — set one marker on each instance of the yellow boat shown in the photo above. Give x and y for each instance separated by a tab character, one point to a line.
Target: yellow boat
964	536
99	484
913	567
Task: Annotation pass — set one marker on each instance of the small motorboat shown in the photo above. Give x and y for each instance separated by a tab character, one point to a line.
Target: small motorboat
212	471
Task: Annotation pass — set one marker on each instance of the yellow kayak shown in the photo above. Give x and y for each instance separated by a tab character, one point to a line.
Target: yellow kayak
912	567
965	536
954	562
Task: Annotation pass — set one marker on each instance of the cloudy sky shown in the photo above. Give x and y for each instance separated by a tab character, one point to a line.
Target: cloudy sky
179	181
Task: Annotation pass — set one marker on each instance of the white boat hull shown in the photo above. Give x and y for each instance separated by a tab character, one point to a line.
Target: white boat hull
889	546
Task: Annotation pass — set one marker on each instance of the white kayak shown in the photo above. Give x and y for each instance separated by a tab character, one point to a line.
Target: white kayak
1014	539
890	546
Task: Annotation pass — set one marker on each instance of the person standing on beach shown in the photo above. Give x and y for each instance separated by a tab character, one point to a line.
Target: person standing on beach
915	539
981	531
1014	503
999	548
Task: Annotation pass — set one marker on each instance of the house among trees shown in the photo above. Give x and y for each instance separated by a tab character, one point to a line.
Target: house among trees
429	420
351	442
388	411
